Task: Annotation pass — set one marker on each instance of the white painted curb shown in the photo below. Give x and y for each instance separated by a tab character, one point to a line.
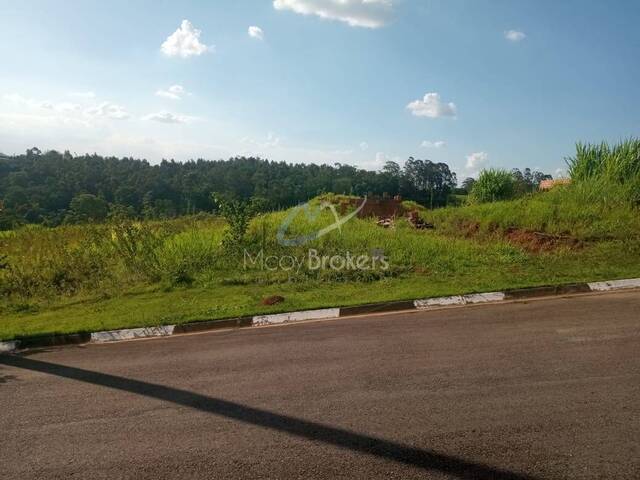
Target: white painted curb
614	285
295	316
131	333
459	300
8	347
484	297
438	302
321	314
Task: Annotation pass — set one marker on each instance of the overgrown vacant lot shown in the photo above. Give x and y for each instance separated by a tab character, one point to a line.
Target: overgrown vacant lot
127	273
82	278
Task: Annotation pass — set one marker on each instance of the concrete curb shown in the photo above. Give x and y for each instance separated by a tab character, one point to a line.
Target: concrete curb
459	300
132	333
7	347
318	314
615	285
296	316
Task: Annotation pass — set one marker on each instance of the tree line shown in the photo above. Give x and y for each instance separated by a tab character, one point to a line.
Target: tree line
52	188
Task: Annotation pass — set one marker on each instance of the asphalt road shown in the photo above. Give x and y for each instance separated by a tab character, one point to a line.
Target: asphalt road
543	389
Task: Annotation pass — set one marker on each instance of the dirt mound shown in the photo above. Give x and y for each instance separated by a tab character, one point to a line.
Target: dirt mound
381	207
539	241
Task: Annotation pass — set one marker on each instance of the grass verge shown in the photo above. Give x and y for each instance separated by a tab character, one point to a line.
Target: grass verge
155	306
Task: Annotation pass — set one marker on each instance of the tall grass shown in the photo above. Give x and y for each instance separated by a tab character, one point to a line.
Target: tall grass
606	169
587	211
620	162
103	261
600	203
40	264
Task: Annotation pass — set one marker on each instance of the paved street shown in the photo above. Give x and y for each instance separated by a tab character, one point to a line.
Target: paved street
542	389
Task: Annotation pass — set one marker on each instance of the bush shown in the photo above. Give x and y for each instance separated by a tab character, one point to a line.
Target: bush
238	214
137	244
493	185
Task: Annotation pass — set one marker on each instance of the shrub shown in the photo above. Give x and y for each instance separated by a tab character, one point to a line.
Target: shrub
493	185
238	214
137	245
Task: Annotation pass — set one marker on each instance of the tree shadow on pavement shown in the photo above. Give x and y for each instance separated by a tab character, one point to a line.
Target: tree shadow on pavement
424	459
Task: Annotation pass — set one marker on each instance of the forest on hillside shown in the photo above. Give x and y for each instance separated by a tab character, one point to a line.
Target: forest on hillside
53	188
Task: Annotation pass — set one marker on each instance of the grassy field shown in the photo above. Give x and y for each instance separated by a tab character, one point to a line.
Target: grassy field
128	274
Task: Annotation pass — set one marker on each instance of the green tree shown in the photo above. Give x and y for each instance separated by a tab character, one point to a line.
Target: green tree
87	208
428	182
467	184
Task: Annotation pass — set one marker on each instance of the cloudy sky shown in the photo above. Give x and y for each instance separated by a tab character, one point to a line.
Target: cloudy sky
472	83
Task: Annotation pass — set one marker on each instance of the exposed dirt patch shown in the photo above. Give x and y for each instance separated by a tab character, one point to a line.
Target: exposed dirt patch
420	270
469	228
539	241
384	207
272	300
529	240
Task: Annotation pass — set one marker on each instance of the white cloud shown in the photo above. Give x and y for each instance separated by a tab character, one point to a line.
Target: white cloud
364	146
63	107
256	32
185	42
430	144
475	160
560	173
347	151
514	35
260	146
108	110
38	124
86	95
66	107
382	158
432	106
356	13
155	148
272	141
167	117
18	99
174	92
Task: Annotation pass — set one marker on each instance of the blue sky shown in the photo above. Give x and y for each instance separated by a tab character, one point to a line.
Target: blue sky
516	83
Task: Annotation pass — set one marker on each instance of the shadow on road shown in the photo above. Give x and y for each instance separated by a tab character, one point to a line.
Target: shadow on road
416	457
6	378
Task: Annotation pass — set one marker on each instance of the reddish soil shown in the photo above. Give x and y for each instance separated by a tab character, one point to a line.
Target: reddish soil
538	241
375	207
468	228
529	240
272	300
